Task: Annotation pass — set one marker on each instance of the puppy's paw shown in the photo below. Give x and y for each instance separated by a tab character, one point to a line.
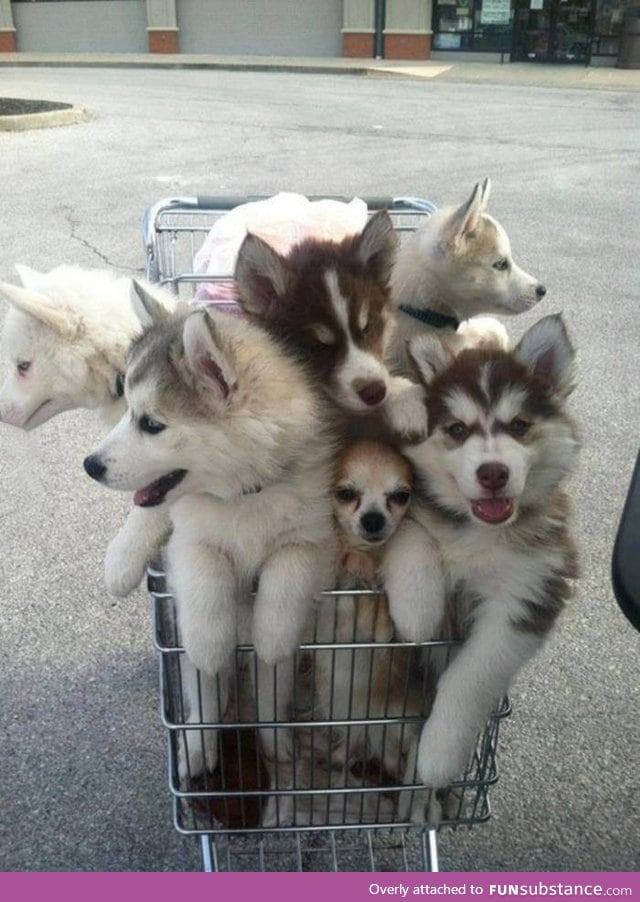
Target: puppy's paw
278	812
442	755
406	411
273	639
426	809
482	332
417	605
210	653
124	565
273	646
197	754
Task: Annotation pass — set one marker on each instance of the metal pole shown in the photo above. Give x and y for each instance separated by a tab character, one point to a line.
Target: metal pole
379	20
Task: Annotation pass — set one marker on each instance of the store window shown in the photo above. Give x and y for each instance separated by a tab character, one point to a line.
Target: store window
475	25
608	26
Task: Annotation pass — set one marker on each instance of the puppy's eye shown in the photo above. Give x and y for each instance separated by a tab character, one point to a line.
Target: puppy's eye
458	431
119	385
346	496
323	334
400	497
501	264
518	426
24	366
153	427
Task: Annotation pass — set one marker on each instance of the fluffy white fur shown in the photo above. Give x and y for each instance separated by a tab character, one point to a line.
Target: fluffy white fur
65	338
254	504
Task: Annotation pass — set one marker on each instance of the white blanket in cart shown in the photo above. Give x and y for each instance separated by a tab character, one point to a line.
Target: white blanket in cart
282	221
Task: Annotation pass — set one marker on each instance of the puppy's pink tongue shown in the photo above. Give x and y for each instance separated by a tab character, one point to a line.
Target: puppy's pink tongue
154	493
147	497
493	510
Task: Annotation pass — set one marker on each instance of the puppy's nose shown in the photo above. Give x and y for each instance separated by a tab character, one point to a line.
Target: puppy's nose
541	290
94	467
373	522
372	393
492	476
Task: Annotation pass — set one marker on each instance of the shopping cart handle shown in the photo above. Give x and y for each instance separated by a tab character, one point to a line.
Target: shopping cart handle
206	202
625	567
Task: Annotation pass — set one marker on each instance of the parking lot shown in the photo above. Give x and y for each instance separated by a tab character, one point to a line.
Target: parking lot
83	783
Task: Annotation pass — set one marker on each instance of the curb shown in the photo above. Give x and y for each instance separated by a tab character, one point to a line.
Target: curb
49	119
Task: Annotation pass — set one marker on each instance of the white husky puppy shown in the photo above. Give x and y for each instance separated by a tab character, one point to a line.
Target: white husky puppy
490	478
457	266
66	337
226	429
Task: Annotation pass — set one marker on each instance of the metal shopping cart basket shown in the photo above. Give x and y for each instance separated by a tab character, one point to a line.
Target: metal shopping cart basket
338	816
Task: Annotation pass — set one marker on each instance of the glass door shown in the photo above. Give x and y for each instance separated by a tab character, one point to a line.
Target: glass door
532	30
552	31
571	31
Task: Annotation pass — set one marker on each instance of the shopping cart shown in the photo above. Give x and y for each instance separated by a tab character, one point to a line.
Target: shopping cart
344	818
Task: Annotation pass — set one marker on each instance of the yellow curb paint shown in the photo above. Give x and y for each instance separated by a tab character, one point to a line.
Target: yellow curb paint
414	71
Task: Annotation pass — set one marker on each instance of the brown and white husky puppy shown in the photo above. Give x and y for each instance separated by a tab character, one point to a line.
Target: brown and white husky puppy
457	266
490	488
329	302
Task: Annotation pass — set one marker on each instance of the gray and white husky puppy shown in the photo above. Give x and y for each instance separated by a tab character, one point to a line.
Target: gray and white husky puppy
489	478
226	430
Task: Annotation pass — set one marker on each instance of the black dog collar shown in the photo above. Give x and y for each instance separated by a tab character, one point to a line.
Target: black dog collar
118	391
431	317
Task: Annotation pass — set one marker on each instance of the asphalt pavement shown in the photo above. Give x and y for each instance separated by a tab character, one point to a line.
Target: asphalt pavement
83	767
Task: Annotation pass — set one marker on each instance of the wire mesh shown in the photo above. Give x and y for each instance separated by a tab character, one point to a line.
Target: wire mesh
174	230
340	754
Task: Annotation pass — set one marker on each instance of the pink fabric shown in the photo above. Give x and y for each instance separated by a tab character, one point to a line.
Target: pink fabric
282	221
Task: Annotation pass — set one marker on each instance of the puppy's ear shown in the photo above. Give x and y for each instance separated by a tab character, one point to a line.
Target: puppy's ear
149	307
466	218
57	317
376	246
205	360
29	277
546	350
485	191
428	355
261	275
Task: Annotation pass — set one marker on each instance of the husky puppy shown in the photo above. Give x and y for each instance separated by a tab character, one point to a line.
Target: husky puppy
371	493
456	266
66	335
225	429
490	480
330	303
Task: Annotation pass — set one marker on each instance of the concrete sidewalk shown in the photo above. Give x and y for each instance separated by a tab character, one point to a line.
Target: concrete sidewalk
522	74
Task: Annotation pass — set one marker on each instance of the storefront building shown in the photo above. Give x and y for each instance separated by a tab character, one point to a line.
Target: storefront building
558	31
550	31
